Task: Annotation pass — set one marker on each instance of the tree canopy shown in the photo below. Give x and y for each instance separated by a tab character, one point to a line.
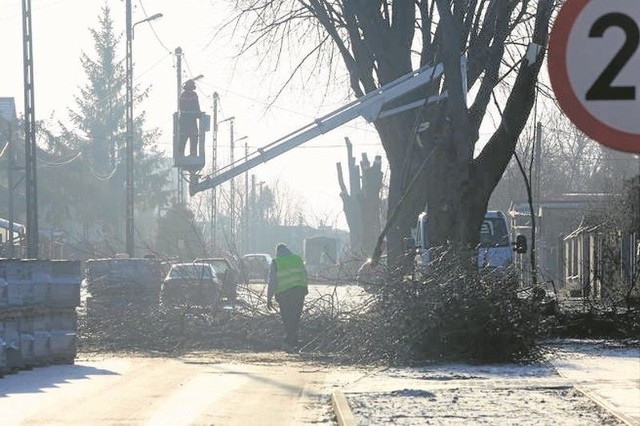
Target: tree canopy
503	43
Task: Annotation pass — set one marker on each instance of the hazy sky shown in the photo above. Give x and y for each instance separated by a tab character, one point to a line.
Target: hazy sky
61	33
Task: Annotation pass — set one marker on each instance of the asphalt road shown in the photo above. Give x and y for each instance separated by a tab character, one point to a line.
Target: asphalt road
197	390
272	388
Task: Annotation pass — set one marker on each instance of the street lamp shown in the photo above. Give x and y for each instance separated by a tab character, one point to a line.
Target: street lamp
129	121
150	18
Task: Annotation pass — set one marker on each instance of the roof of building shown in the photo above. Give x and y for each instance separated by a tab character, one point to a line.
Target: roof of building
569	201
4	223
8	109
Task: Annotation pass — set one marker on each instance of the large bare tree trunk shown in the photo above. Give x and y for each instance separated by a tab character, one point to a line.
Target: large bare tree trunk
378	42
455	187
362	203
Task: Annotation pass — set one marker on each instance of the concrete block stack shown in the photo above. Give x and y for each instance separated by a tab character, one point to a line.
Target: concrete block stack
38	320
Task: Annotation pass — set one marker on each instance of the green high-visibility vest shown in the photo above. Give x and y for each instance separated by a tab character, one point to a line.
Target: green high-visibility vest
290	273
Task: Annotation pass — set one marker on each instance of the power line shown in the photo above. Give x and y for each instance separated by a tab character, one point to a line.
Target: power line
41	7
153	29
227	91
270	105
48	164
153	66
313	147
4	149
102	177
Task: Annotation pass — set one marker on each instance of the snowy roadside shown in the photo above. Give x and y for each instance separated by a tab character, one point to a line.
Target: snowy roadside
503	394
607	371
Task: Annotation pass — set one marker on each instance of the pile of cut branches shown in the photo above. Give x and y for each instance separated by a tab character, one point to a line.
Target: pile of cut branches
450	314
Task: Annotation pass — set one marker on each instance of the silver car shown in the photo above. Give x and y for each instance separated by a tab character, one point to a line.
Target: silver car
194	284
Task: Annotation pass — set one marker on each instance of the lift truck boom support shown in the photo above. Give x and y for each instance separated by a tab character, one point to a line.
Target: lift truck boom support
371	107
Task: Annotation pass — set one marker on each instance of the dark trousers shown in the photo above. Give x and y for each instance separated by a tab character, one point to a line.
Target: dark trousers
193	144
290	302
189	132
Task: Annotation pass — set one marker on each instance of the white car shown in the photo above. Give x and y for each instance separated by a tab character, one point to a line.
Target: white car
255	266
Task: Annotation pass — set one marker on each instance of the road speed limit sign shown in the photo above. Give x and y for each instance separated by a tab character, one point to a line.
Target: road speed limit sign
594	66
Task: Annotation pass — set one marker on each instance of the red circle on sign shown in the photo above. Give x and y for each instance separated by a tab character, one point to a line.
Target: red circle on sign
567	98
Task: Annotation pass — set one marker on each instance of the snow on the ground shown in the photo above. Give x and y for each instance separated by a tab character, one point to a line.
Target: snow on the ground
609	370
502	394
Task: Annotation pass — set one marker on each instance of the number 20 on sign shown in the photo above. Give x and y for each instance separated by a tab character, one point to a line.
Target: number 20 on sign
594	66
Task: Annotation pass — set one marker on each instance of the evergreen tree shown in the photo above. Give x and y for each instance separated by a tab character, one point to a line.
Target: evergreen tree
93	184
180	236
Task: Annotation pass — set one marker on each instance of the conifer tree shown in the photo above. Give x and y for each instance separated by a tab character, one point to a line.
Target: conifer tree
92	185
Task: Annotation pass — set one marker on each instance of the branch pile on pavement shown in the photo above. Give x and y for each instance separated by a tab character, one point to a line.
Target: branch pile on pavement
449	314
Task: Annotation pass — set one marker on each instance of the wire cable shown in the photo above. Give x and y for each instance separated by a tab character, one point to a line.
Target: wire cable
153	30
4	149
98	176
45	163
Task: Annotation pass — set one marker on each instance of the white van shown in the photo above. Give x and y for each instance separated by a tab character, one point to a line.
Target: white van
495	249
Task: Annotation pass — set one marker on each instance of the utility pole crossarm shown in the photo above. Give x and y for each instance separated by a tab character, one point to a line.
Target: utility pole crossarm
369	107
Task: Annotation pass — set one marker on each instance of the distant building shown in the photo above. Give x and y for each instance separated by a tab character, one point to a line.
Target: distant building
555	219
8	109
8	115
602	254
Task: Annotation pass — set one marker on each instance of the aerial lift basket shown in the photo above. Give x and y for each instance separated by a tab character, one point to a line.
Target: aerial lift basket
190	162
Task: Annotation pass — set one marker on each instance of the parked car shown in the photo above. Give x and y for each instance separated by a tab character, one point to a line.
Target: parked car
191	283
226	273
256	266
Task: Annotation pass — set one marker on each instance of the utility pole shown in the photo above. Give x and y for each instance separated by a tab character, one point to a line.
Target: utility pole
538	163
259	239
129	208
234	228
180	186
129	133
231	207
536	203
252	210
214	158
233	186
10	165
245	236
30	146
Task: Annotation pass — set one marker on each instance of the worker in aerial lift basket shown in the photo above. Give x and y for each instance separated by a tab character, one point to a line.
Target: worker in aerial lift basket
288	283
189	113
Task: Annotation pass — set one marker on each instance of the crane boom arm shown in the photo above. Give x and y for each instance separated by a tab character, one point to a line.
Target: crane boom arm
369	106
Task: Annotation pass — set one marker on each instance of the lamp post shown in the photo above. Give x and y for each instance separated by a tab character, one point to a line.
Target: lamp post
129	122
245	234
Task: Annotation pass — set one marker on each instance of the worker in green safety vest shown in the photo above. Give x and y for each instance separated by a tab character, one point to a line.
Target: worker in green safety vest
288	283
